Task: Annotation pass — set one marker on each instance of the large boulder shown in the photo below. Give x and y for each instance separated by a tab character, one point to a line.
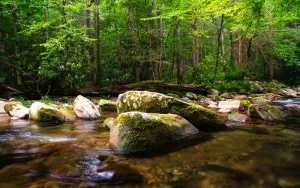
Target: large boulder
145	101
266	112
16	109
45	113
85	109
68	112
138	131
229	105
260	100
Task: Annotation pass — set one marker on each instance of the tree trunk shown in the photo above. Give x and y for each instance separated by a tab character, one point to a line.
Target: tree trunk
97	62
240	51
270	68
218	45
195	48
86	21
17	45
178	51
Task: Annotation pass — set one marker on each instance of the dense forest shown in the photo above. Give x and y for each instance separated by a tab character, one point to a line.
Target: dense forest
80	43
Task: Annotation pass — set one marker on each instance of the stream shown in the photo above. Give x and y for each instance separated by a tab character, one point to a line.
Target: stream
256	154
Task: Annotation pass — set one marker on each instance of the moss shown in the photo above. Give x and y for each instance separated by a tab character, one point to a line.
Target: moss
266	112
9	106
50	115
246	102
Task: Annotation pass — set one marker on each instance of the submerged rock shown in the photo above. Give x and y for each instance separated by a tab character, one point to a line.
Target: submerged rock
237	117
266	112
145	101
16	109
108	105
68	112
85	109
138	131
45	113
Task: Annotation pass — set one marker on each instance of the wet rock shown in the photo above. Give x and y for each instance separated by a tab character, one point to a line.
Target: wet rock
289	92
109	123
108	105
2	104
68	112
214	92
145	101
237	117
212	104
15	109
241	97
138	131
85	109
224	110
292	109
45	113
260	100
266	112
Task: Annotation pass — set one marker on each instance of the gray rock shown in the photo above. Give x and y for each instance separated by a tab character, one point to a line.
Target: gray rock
85	109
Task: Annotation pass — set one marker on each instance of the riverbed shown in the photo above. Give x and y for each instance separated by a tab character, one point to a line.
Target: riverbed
256	154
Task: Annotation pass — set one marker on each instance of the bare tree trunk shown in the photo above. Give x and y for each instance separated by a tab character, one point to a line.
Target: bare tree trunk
270	64
222	42
218	45
87	21
97	61
178	51
240	51
195	48
17	45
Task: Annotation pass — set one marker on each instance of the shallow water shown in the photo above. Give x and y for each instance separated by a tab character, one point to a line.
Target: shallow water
78	154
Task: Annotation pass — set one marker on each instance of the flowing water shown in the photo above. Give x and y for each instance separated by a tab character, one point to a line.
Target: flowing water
78	155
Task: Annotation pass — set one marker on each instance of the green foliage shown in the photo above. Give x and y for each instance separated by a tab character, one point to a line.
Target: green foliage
64	99
46	99
24	102
233	86
2	79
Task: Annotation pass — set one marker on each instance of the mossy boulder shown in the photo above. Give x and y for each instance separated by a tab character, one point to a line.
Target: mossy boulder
266	112
260	100
68	112
138	131
151	102
45	113
85	109
16	109
245	103
108	105
237	117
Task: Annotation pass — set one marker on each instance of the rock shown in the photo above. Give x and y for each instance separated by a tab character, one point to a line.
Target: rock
244	105
237	117
45	113
173	95
292	109
212	104
151	102
85	109
241	97
16	109
138	131
68	112
229	104
266	112
226	96
109	123
2	104
107	105
191	96
214	92
289	92
260	100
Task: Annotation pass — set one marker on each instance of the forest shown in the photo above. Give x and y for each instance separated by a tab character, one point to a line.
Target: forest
82	43
150	93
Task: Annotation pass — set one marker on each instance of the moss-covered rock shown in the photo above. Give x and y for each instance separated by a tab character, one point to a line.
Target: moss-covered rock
108	105
144	101
85	109
266	112
45	113
68	112
244	105
260	100
139	131
16	109
237	117
2	104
